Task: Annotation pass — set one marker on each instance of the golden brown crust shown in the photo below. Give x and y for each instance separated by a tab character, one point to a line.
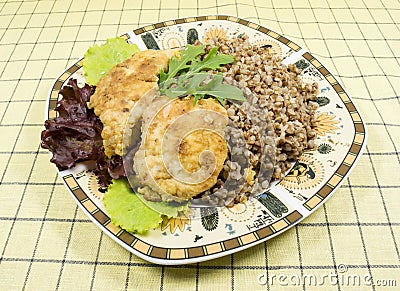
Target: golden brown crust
160	150
118	91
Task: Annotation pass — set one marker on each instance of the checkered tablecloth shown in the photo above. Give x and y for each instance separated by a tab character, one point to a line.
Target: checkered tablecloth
47	243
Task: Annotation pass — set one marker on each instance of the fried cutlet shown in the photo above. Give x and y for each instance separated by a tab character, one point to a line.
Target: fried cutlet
118	92
183	147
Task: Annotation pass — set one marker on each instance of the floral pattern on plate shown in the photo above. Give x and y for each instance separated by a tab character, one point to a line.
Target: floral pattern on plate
204	234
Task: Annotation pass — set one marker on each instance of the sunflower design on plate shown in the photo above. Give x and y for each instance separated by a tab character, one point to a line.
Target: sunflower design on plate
200	236
214	32
325	123
240	212
177	222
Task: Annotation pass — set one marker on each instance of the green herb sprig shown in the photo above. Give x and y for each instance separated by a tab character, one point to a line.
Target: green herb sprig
186	76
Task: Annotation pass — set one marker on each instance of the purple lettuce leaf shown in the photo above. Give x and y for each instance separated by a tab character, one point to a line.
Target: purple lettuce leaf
75	135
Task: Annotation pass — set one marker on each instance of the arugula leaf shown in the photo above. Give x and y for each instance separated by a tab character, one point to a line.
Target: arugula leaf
188	68
195	86
178	64
212	61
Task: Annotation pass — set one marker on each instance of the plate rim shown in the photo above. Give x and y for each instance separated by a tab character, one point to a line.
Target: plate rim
64	76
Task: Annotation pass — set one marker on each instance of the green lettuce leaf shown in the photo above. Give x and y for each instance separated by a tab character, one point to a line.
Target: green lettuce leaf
170	209
99	60
129	211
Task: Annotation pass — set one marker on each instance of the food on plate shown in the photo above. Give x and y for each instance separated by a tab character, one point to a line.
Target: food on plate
129	211
99	60
75	134
176	161
119	90
280	90
202	124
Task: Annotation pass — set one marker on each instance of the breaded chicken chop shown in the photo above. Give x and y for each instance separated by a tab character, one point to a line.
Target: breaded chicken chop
183	148
119	90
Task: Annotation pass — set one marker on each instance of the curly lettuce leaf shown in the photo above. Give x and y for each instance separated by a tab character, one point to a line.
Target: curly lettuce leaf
127	210
100	59
75	134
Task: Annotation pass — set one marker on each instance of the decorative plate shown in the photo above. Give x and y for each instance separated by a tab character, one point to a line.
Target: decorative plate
219	232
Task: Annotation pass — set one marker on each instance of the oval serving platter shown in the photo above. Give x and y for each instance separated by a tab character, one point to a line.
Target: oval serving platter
218	232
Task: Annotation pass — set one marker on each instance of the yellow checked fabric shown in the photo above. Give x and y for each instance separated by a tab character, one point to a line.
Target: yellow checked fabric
46	241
